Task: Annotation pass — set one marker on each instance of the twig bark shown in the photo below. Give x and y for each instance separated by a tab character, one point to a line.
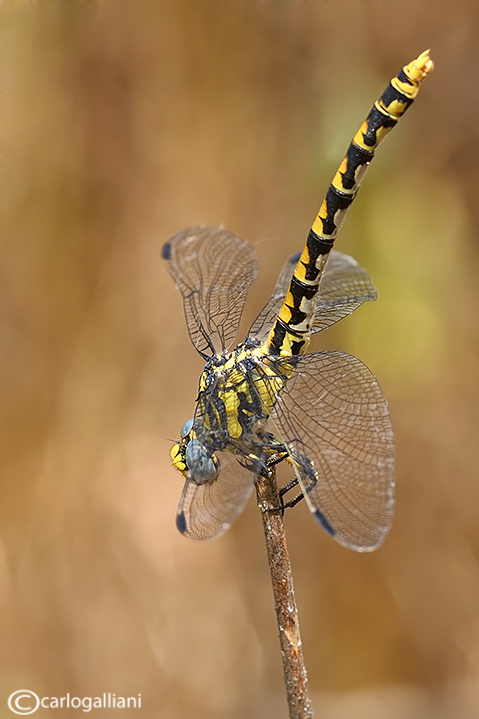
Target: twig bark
295	678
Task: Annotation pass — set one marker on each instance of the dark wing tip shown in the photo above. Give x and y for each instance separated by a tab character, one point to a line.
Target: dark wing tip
321	519
166	251
181	522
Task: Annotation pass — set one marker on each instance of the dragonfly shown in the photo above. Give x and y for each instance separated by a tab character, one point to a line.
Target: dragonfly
267	401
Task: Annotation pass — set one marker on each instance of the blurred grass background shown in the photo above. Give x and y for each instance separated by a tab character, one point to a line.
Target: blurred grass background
124	122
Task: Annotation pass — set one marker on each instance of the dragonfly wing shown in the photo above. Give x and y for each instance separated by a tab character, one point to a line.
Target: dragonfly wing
213	269
333	412
344	287
209	509
266	318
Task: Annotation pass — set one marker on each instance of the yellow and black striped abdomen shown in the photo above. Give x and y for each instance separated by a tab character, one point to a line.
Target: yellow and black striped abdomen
291	331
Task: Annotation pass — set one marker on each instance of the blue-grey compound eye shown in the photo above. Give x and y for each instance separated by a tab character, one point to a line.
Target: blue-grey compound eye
201	467
186	429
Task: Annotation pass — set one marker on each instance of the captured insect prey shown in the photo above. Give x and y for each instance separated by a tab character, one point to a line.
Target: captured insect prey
266	401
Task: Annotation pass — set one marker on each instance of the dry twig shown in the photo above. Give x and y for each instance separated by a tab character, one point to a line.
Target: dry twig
295	678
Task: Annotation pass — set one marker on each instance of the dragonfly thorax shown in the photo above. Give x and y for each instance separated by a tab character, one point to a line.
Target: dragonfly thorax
237	391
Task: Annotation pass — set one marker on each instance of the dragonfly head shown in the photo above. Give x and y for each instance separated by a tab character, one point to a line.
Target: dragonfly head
202	467
192	458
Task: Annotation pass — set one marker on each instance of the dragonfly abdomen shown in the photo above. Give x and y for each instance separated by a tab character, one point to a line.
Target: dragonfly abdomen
292	328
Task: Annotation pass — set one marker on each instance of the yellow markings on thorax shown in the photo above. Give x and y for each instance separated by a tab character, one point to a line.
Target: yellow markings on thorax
269	385
268	391
230	363
231	403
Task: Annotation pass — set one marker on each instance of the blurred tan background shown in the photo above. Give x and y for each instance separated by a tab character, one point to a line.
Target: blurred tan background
123	123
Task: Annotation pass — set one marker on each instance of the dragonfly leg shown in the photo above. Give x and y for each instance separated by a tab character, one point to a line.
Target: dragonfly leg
276	459
255	465
292	502
293	483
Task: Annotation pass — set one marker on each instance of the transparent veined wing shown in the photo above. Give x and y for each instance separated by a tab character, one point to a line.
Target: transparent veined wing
209	509
333	411
344	287
213	269
265	320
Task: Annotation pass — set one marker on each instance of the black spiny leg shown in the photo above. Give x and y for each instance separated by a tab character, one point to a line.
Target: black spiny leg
254	464
292	502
